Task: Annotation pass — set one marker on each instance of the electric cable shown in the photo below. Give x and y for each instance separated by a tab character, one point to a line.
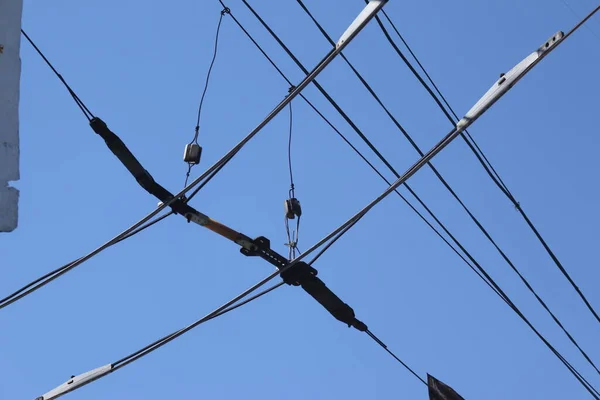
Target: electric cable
593	32
210	68
477	222
343	228
207	80
88	114
179	197
384	346
341	135
227	307
292	202
577	375
480	155
52	275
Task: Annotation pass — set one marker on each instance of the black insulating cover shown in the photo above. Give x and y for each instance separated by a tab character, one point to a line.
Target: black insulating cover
332	303
136	169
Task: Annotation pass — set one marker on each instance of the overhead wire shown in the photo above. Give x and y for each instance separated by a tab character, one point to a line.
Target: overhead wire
292	234
88	114
227	307
385	347
207	175
575	372
477	222
337	232
208	74
480	155
343	137
52	275
572	10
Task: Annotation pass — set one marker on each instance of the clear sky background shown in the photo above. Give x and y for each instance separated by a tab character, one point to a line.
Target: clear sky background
141	65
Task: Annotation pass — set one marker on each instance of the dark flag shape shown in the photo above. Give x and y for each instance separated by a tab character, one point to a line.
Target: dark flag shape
440	391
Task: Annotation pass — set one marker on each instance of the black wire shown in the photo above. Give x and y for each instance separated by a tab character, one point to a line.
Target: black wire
52	275
212	63
479	152
577	375
484	231
341	135
291	235
379	342
208	178
577	16
502	186
292	187
227	307
489	168
88	114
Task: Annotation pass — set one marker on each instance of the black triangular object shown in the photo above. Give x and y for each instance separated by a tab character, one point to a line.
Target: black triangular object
438	390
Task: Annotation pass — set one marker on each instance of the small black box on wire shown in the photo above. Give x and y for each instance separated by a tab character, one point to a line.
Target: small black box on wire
292	208
192	153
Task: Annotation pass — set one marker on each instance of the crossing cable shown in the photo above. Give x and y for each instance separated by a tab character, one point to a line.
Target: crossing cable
487	165
510	263
481	157
210	68
77	382
502	295
88	114
340	230
178	202
341	135
52	275
593	32
227	307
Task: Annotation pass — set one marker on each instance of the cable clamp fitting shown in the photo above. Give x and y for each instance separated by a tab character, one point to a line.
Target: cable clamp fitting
225	10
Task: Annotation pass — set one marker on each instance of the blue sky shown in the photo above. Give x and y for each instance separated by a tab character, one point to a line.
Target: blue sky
141	69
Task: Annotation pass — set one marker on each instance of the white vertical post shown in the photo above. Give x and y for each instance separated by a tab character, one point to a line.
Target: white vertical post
10	73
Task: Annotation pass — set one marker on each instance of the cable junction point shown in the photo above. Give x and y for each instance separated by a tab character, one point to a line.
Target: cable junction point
294	272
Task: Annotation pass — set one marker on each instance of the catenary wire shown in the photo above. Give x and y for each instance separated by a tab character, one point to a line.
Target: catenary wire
209	173
227	307
210	68
478	223
384	346
578	376
572	10
207	80
341	135
52	275
88	114
484	161
292	234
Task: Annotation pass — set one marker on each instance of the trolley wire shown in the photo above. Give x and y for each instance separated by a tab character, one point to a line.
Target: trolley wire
207	80
478	152
52	275
575	372
477	222
88	114
343	137
207	175
384	346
